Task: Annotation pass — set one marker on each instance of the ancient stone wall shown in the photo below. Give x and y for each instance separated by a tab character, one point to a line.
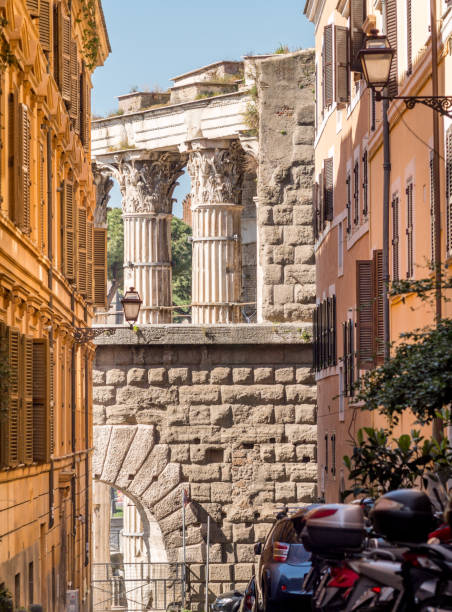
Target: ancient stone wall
240	438
286	269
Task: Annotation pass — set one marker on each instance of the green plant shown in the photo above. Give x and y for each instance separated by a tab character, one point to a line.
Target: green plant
7	57
133	89
181	256
90	37
381	463
116	112
283	133
6	600
282	49
115	246
251	118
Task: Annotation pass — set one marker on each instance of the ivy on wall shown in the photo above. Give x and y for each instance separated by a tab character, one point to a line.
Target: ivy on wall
91	40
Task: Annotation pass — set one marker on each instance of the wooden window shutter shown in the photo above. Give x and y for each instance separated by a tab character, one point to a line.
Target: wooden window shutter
391	33
85	108
65	54
33	7
348	204
89	261
356	193
41	400
329	189
23	195
377	292
10	428
100	266
365	185
26	409
44	25
357	18
57	27
409	36
345	355
351	357
328	65
82	252
321	201
365	315
432	211
409	231
42	199
13	142
51	400
449	190
341	74
74	109
69	230
314	335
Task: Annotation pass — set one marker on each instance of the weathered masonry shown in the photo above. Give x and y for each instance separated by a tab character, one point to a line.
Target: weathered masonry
223	409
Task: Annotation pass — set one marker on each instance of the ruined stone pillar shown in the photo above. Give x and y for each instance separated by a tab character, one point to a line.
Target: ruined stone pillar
147	187
216	169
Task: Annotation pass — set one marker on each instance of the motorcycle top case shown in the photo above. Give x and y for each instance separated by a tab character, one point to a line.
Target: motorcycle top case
403	516
334	529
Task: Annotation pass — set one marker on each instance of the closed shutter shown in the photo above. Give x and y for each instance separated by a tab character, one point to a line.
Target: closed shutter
100	266
315	209
334	334
33	7
432	212
321	200
89	261
449	190
44	25
12	159
377	280
24	169
42	202
74	108
345	356
395	238
315	343
85	108
409	231
409	37
341	76
348	204
365	315
351	358
41	400
328	65
12	437
65	51
357	18
391	33
356	193
52	395
82	252
69	230
57	27
26	412
329	189
365	185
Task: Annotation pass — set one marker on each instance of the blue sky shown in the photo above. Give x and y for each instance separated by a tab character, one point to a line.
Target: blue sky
155	40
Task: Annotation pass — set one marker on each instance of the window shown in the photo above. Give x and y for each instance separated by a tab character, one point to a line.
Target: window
30	583
325	334
357	18
17	591
19	130
356	193
395	238
409	230
449	191
335	62
348	357
328	189
340	248
349	203
333	455
391	33
365	185
326	456
409	36
341	395
369	312
323	198
327	66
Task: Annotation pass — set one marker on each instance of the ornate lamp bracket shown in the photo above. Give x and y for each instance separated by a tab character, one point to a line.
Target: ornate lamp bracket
441	104
86	334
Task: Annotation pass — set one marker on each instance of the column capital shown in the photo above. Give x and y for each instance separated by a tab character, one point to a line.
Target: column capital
104	184
147	185
216	172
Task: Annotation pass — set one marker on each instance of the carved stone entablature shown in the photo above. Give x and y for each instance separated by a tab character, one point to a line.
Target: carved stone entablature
104	184
147	185
216	172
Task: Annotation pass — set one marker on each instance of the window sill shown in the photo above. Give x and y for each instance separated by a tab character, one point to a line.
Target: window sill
326	373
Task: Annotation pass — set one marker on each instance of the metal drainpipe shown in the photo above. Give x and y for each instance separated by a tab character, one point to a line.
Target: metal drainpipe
437	427
73	446
87	483
50	286
386	198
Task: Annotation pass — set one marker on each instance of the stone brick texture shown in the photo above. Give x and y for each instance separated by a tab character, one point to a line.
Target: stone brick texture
284	186
240	438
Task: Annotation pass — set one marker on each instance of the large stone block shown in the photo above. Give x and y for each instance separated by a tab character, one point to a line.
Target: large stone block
306	413
157	376
116	376
154	464
304	254
306	452
302	215
296	235
299	274
147	397
243	572
199	415
200	377
284	452
139	449
220	376
178	376
243	533
120	440
301	433
201	473
272	234
283	294
168	479
99	414
200	492
137	376
302	472
301	394
285	413
285	492
220	572
120	414
256	394
245	553
242	375
284	375
98	377
180	453
305	114
199	394
177	414
306	492
273	274
281	254
262	414
104	395
263	375
282	214
221	415
101	438
221	492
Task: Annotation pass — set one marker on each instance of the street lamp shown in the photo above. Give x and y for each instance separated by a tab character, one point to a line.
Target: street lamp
131	303
376	59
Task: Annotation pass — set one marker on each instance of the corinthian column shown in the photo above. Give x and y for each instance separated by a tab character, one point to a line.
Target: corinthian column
147	187
216	171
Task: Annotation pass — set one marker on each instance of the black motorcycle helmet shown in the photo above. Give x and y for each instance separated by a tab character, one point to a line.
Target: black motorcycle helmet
405	515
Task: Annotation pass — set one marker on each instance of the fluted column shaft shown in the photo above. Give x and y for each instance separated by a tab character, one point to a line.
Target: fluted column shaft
216	174
147	187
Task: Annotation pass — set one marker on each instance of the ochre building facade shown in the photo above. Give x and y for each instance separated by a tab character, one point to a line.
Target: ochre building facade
52	273
348	194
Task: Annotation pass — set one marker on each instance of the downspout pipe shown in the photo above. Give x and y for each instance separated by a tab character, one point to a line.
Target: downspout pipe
50	286
386	201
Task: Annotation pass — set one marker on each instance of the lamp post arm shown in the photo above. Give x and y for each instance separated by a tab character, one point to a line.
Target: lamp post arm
441	104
